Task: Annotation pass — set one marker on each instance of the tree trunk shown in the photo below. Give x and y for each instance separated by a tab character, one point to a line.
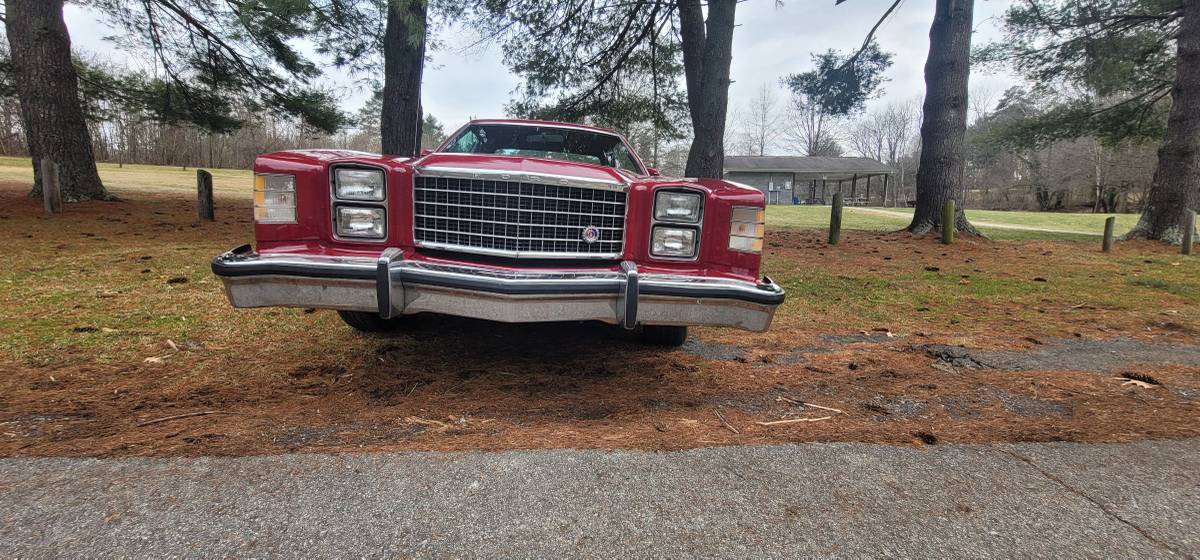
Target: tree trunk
707	54
403	65
940	173
1176	184
48	89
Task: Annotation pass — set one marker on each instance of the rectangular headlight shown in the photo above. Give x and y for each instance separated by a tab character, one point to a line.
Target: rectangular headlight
358	221
673	206
274	198
747	229
679	243
358	184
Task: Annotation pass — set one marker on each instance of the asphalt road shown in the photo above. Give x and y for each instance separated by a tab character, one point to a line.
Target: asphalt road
844	500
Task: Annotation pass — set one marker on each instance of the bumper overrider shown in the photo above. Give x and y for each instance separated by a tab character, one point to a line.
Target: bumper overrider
393	286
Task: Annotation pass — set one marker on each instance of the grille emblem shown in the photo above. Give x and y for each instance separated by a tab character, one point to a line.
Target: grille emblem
590	234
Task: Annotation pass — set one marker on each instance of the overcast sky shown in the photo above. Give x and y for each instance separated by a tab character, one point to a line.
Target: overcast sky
769	43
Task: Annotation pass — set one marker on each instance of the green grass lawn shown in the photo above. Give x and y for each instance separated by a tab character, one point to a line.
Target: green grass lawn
1058	225
236	182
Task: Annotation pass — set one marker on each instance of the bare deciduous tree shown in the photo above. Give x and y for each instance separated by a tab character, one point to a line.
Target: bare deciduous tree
810	130
760	130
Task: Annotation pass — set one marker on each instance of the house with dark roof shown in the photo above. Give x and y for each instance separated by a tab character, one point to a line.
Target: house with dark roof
812	180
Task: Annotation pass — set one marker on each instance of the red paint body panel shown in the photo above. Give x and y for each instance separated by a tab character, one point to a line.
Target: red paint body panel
313	234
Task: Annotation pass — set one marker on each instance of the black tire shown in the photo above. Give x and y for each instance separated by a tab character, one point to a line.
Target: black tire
666	336
369	322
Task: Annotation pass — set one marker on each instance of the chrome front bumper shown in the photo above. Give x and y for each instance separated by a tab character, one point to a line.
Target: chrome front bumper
393	286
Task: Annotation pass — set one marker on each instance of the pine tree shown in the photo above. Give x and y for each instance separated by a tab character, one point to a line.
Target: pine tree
215	57
618	64
1138	62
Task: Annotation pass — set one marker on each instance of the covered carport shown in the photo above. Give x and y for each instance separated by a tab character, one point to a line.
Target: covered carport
813	180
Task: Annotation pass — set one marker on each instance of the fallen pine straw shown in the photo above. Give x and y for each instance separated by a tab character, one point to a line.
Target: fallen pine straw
188	415
792	421
806	403
726	422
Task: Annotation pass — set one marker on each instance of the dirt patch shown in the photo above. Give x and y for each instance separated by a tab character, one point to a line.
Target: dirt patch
96	341
1023	405
711	350
1100	356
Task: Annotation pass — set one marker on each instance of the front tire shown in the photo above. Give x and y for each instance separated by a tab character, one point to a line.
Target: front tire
368	322
668	336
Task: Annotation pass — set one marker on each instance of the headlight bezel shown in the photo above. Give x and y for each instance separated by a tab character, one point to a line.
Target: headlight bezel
336	203
337	222
697	226
338	171
678	194
667	227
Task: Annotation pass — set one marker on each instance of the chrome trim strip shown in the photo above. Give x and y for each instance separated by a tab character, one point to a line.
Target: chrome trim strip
583	200
514	254
507	223
523	177
492	235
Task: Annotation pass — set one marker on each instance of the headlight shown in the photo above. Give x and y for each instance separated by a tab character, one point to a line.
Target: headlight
274	199
358	184
357	221
673	206
673	242
746	229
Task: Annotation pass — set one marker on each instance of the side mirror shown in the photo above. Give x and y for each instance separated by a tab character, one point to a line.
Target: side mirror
425	152
653	171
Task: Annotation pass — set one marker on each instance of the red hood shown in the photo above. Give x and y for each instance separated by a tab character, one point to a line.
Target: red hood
517	164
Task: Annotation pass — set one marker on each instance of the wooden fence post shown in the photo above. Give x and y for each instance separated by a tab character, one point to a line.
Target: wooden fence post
835	219
948	222
51	188
204	195
1189	230
1109	223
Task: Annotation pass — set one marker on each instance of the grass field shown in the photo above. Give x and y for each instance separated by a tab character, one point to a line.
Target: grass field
155	178
993	223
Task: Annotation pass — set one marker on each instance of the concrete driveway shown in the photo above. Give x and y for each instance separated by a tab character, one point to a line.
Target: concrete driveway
1064	500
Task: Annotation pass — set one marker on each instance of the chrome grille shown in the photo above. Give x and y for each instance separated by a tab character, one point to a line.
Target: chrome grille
517	218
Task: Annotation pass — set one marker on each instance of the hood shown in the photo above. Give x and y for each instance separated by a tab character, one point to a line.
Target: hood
521	164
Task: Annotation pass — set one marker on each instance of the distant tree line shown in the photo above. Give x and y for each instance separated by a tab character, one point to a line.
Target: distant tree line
120	136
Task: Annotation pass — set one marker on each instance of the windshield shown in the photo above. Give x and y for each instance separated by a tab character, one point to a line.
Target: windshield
545	142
